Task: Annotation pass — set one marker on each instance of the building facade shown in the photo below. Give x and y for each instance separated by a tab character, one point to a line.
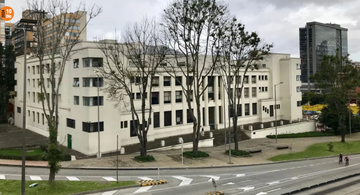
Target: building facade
78	101
316	40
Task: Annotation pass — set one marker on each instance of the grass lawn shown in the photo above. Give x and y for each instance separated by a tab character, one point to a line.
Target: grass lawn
18	152
13	187
321	150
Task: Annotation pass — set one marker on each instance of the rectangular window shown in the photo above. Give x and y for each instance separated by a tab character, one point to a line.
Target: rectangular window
189	116
18	109
298	103
38	117
266	89
121	124
179	117
93	82
42	118
33	116
178	96
76	63
247	109
246	92
238	79
70	123
178	81
298	77
266	77
239	110
76	100
271	110
156	119
298	67
298	89
220	115
76	82
125	124
155	81
155	98
167	97
92	127
181	63
133	131
246	80
93	101
167	81
253	92
167	118
254	108
34	97
189	80
253	79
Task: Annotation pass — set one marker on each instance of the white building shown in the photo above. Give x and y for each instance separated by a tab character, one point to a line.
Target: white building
78	110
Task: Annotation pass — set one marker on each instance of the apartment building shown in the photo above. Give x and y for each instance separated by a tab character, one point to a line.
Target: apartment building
78	101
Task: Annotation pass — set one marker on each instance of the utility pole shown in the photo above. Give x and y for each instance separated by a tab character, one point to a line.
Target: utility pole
276	111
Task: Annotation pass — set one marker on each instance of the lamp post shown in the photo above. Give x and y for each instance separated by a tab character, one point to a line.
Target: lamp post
276	111
98	112
24	119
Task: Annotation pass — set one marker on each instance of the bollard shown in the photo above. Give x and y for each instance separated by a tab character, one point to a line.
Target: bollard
162	143
122	150
261	126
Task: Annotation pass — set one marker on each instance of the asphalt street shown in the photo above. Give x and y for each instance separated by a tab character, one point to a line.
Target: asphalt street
270	179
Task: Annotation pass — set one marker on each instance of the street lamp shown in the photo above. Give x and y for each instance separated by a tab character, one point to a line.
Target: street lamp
98	112
276	111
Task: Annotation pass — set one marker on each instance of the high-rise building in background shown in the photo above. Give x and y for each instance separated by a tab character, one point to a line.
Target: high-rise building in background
316	40
2	25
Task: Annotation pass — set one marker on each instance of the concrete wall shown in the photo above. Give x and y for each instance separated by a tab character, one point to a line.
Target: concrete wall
290	128
202	144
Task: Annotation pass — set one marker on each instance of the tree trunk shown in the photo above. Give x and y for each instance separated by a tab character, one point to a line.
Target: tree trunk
195	138
235	135
143	145
52	175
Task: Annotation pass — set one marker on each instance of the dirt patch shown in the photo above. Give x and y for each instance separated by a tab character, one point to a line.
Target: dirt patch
187	161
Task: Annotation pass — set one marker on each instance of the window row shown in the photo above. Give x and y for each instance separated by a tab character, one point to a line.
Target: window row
86	126
36	83
89	101
88	62
271	109
238	110
89	82
45	68
263	77
37	97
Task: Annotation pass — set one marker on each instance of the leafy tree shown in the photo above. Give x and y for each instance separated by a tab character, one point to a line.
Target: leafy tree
240	51
54	48
130	68
7	81
191	27
336	79
313	98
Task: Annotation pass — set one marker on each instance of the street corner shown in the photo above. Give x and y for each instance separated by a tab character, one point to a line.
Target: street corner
151	182
215	193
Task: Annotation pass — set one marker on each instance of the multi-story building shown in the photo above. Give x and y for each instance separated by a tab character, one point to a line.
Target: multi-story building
2	25
77	21
78	101
8	34
316	40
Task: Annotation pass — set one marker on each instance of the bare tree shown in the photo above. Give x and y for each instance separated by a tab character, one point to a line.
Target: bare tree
131	67
191	26
240	51
58	30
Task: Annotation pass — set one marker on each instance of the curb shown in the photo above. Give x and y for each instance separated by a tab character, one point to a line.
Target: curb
176	168
321	184
105	190
151	182
214	193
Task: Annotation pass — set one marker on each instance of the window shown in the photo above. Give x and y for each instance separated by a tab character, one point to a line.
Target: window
178	96
33	68
76	100
76	82
178	81
189	80
247	109
238	79
92	127
264	65
266	89
253	79
125	124
155	81
266	77
246	80
167	97
70	123
133	132
254	108
253	92
239	110
277	106
18	109
156	119
34	97
93	82
189	116
271	110
76	63
298	77
92	62
298	89
231	110
121	124
298	67
179	117
93	101
33	83
246	92
167	118
181	63
33	113
42	118
298	103
167	81
155	98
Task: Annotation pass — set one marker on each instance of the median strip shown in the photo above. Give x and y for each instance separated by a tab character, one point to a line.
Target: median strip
151	182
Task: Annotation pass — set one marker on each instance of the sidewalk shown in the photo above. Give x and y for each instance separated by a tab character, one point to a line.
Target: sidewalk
217	157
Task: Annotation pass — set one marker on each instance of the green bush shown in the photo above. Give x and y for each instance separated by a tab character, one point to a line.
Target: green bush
238	153
304	134
66	157
19	157
44	148
199	154
330	146
147	158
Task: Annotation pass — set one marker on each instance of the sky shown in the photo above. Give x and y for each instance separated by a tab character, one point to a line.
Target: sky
276	21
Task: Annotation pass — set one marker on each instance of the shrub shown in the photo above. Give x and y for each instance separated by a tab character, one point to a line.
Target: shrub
199	154
44	148
19	157
331	146
238	153
147	158
304	134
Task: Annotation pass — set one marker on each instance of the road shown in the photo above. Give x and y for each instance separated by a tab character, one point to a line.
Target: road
270	179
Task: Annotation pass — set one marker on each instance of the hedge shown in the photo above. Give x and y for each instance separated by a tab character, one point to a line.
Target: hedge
199	154
147	158
304	134
238	153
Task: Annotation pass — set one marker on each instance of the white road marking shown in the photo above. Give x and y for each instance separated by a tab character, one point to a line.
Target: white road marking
184	180
72	178
35	178
240	175
109	179
143	189
145	178
274	182
2	176
109	192
230	183
294	178
263	193
245	181
211	177
247	188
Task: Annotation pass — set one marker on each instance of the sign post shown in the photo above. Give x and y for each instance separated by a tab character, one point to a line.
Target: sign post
214	183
